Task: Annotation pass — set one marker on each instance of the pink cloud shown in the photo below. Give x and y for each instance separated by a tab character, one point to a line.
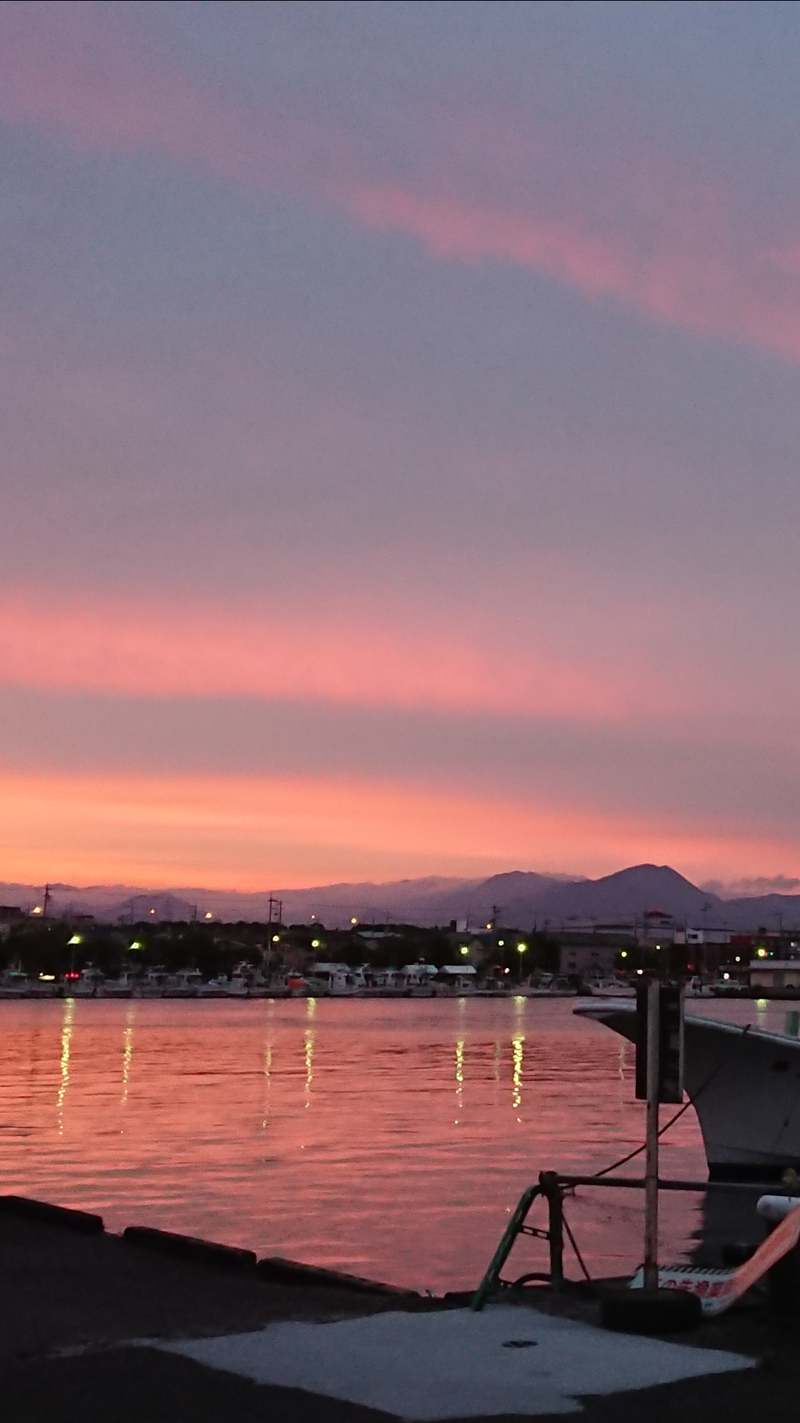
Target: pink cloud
676	256
134	647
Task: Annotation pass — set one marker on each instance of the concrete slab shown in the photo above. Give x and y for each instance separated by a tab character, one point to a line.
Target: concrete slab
456	1364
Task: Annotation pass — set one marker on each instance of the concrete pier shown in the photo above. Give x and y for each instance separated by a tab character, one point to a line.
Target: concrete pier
74	1305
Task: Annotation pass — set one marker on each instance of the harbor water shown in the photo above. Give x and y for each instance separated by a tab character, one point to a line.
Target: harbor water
386	1137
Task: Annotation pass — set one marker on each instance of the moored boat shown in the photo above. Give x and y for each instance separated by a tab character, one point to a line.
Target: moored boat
743	1083
611	988
14	983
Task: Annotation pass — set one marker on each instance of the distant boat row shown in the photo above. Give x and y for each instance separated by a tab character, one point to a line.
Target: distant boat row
327	980
331	980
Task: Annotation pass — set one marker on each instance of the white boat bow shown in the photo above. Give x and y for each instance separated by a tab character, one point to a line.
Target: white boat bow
745	1088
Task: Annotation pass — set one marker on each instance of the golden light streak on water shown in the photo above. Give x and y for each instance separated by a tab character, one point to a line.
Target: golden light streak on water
127	1053
459	1078
66	1038
267	1082
516	1076
309	1061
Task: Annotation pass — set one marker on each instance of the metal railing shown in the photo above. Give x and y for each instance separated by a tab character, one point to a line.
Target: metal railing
551	1186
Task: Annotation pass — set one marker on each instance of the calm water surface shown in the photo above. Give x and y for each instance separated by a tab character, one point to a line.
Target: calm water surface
387	1137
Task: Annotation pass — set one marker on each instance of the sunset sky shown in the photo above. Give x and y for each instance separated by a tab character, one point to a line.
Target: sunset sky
400	440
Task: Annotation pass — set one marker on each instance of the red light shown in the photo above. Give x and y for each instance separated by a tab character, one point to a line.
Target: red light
72	975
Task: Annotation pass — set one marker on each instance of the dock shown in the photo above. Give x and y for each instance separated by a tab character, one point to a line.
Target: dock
86	1317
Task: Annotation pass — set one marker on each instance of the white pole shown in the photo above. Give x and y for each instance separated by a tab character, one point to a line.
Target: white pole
651	1150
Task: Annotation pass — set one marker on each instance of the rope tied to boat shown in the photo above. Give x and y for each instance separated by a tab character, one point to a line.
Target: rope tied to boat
690	1101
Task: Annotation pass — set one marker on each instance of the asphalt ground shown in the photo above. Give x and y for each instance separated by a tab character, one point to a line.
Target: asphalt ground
71	1304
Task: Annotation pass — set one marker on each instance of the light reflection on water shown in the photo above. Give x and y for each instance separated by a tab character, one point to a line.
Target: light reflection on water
388	1137
66	1039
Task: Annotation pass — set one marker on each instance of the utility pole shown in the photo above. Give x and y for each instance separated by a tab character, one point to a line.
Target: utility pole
651	1137
47	898
496	912
659	1078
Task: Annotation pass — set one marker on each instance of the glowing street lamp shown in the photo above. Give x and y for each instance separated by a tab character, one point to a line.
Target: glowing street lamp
353	921
521	949
315	944
76	939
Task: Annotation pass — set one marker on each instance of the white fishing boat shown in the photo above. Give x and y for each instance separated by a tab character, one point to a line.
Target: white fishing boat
417	980
152	983
184	984
699	988
43	986
458	979
745	1087
121	987
238	985
547	985
86	984
215	988
14	983
382	983
611	988
336	980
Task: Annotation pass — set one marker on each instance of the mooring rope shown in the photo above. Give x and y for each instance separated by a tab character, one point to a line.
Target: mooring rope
690	1101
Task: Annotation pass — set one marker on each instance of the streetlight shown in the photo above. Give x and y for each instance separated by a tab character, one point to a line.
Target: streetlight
464	948
521	949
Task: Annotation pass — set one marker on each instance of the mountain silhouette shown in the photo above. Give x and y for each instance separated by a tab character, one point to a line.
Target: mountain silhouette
523	898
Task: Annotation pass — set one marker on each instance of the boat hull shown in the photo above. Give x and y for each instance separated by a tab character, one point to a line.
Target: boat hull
745	1088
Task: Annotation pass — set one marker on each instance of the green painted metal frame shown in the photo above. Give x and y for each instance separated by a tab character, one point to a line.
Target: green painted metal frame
550	1188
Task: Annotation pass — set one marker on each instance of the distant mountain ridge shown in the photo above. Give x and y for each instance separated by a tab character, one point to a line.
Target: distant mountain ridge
522	898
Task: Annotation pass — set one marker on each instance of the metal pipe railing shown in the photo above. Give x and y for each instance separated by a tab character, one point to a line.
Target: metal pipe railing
552	1185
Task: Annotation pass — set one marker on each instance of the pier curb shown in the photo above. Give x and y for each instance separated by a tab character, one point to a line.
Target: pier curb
190	1247
83	1221
276	1270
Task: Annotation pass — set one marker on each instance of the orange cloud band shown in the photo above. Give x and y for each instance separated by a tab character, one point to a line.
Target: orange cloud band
256	833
